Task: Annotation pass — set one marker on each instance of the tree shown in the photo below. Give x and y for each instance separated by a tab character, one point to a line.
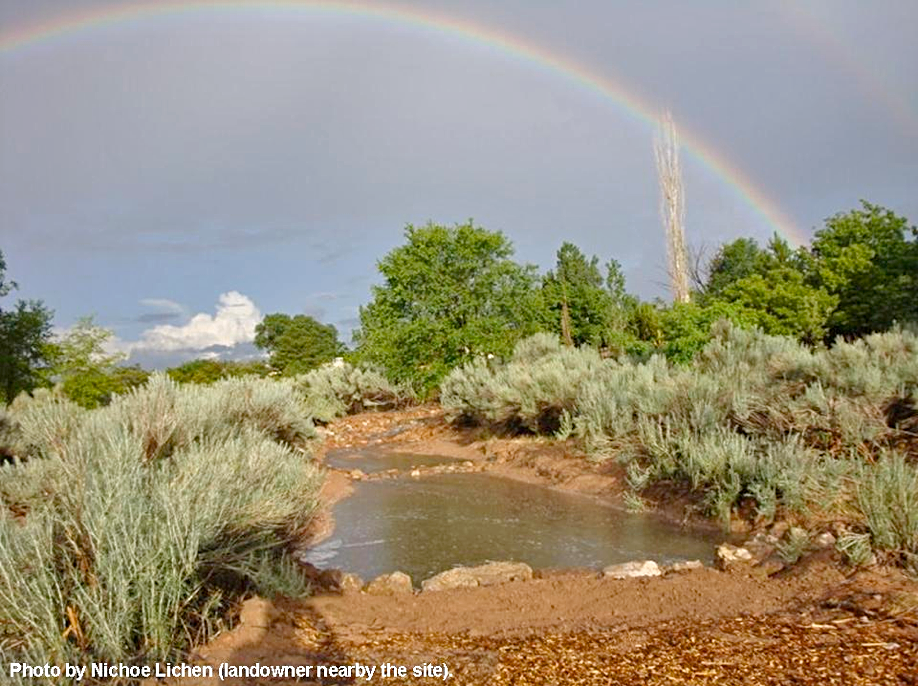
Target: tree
584	307
210	371
296	344
24	333
448	294
868	259
672	206
732	262
80	364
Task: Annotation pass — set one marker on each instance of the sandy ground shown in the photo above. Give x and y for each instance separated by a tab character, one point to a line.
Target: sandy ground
815	623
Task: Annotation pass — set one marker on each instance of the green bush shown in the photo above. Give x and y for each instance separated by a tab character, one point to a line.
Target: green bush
127	529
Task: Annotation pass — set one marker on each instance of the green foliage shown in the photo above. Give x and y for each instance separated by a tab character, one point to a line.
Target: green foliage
24	333
297	344
138	522
685	328
734	261
336	389
448	294
211	371
888	497
868	260
581	306
79	363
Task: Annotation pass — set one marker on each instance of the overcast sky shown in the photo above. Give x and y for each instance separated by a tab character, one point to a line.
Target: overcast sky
181	176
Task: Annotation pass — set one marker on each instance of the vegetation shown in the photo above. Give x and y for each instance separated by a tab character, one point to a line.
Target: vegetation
24	333
448	294
296	344
125	530
211	371
752	419
337	389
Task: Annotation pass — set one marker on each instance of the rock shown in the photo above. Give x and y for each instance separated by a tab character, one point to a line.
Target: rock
415	473
824	541
686	566
460	577
730	555
628	570
501	572
396	583
342	582
484	575
356	474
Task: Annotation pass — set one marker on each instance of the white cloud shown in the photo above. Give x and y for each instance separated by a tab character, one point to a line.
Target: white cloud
164	305
233	323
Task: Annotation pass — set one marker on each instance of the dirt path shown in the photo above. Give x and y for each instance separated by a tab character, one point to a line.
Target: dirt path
816	623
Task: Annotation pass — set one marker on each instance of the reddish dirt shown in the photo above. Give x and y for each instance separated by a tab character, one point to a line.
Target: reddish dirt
815	623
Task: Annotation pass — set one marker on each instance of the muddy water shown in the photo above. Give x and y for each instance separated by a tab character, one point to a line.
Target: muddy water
424	526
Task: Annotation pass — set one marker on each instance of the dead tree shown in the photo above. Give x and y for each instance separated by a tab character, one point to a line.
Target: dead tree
672	206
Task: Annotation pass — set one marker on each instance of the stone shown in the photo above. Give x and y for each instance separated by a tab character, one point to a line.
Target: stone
488	574
824	541
459	577
629	570
356	474
729	555
778	529
396	583
336	580
686	566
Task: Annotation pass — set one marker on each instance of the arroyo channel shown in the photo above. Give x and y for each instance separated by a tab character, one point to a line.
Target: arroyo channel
423	525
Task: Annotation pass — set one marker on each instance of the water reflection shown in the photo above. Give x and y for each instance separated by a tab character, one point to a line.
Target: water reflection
424	526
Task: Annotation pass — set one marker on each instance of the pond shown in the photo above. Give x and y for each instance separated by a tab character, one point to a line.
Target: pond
423	526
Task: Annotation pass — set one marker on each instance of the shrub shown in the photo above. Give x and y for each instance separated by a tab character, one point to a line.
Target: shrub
336	389
123	537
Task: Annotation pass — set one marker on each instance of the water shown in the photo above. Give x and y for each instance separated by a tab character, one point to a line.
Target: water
370	461
425	526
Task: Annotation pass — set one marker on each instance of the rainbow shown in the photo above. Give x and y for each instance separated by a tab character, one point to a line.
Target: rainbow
606	88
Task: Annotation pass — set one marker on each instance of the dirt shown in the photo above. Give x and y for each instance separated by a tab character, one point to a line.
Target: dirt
817	622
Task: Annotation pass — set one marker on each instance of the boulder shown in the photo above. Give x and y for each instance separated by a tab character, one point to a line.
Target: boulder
396	583
686	566
336	580
629	570
730	555
483	575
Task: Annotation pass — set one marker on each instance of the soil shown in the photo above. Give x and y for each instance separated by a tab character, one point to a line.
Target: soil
817	622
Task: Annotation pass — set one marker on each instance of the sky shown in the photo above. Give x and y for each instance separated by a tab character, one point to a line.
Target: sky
178	174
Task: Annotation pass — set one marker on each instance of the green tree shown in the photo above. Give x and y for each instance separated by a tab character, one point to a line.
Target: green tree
296	344
448	293
868	259
25	330
580	307
80	364
210	371
734	261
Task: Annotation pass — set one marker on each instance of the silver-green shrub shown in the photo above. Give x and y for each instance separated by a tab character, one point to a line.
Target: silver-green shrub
340	388
122	537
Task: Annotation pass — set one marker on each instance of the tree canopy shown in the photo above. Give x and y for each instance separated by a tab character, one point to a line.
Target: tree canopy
296	344
25	330
448	293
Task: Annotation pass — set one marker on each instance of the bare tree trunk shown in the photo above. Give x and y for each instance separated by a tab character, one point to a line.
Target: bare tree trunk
672	206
